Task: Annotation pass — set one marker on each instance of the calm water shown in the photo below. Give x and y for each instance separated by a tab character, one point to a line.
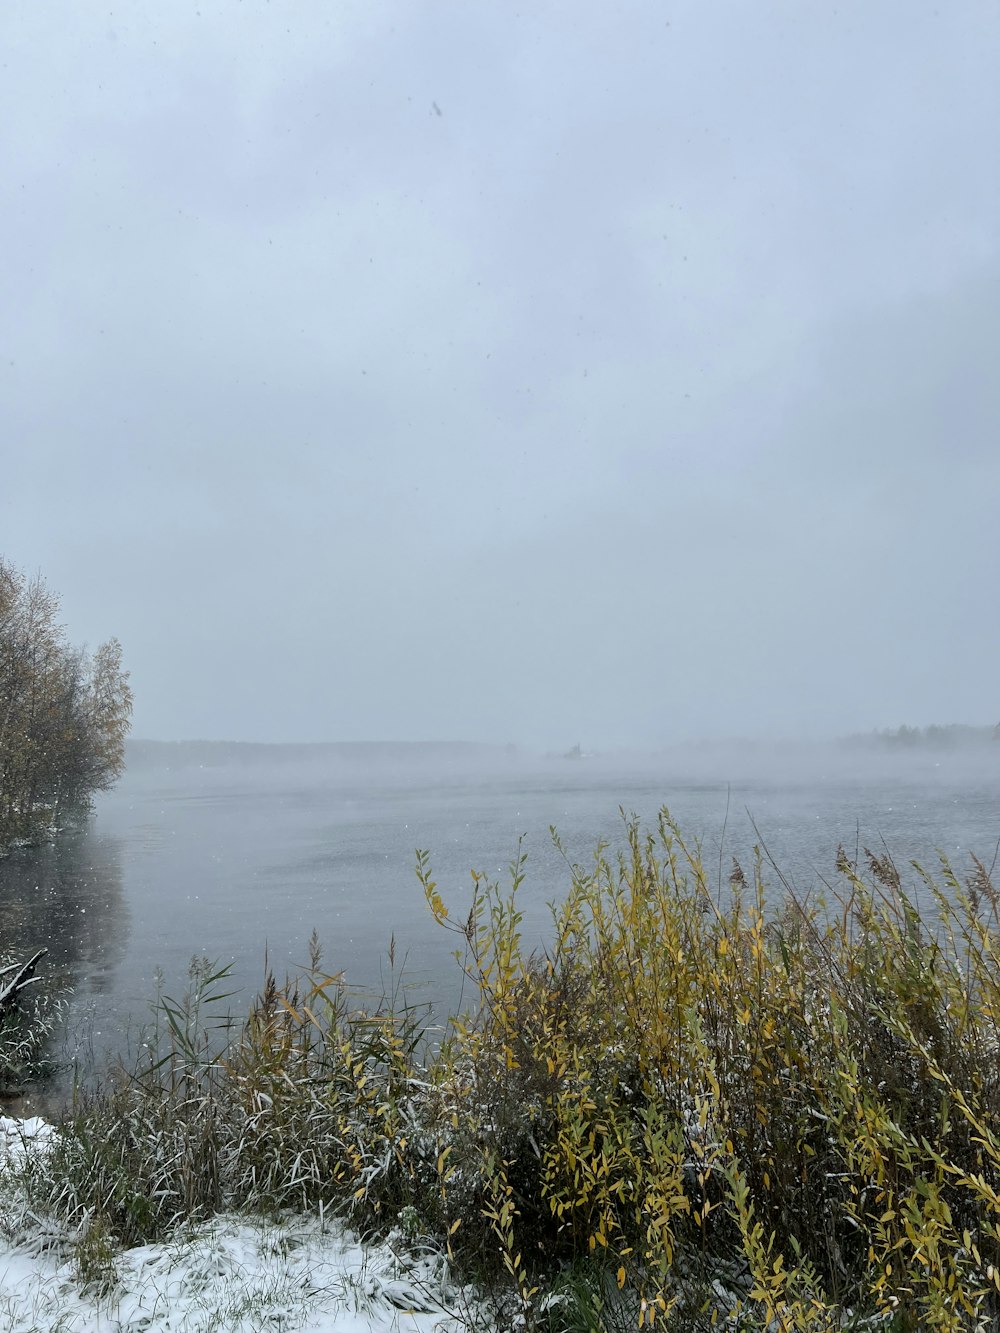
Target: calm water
232	859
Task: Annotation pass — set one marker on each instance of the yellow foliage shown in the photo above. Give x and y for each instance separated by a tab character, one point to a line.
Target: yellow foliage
688	1069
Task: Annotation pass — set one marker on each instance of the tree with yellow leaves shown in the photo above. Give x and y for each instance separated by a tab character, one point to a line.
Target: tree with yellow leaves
64	713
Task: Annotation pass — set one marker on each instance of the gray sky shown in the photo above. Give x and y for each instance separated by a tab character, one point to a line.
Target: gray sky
614	373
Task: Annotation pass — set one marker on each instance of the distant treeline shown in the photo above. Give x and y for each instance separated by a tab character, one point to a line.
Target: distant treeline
954	736
64	713
216	754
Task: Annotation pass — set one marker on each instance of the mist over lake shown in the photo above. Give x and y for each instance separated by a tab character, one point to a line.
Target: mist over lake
238	852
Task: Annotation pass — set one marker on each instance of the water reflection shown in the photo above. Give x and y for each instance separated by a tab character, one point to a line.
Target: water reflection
67	896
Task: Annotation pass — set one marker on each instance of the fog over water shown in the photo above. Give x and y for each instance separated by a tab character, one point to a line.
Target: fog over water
227	851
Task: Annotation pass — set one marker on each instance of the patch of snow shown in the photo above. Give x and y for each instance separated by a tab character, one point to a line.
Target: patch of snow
231	1275
19	1137
235	1275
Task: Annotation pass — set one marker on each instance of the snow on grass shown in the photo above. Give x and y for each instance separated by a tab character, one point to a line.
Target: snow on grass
19	1137
231	1275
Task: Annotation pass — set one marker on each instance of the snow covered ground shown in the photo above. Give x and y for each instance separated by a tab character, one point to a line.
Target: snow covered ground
232	1275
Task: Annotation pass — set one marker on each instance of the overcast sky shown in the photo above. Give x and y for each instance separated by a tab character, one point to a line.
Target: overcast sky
613	373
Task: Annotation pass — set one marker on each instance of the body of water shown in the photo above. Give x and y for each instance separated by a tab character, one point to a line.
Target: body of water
231	852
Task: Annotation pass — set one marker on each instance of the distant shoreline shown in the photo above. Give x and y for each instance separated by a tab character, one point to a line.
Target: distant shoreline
952	736
139	751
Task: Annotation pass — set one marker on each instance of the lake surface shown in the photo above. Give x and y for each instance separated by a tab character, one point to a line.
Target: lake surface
234	852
